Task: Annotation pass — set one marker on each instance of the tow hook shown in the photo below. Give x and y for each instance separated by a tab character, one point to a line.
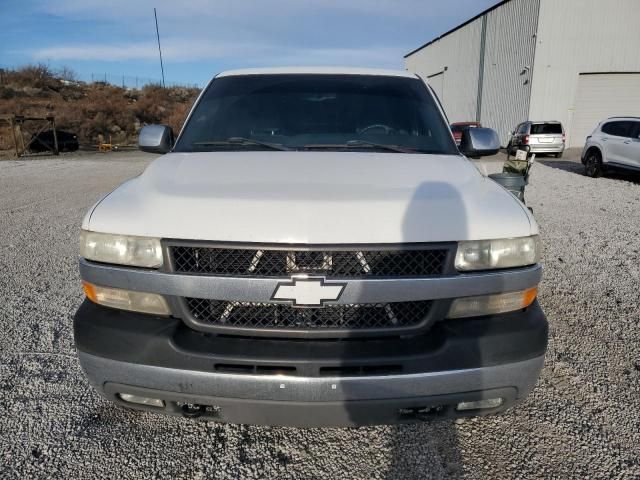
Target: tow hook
192	410
422	414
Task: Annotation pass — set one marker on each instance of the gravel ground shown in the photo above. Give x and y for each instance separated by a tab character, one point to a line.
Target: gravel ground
582	421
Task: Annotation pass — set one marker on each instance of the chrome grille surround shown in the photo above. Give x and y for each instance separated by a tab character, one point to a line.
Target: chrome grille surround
329	262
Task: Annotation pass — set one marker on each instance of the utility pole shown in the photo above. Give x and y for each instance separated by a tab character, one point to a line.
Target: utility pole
159	49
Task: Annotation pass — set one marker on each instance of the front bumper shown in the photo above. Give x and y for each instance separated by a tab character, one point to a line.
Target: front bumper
312	383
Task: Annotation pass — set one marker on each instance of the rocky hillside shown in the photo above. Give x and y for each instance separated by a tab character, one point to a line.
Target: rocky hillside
89	110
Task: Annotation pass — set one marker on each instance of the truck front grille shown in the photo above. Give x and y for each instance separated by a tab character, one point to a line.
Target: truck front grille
265	262
275	316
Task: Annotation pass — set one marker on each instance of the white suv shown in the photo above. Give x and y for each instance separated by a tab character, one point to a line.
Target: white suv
613	145
312	250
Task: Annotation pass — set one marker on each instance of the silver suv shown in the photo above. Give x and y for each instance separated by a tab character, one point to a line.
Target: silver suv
538	137
613	145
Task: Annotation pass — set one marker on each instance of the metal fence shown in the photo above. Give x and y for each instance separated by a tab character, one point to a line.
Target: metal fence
130	81
119	80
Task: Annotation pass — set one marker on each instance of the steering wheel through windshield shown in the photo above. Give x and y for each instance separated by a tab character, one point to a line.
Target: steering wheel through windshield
378	126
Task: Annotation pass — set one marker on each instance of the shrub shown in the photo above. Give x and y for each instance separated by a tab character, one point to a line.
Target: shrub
90	110
34	76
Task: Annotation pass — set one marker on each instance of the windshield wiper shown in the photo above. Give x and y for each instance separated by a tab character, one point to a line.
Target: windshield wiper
363	143
393	148
242	141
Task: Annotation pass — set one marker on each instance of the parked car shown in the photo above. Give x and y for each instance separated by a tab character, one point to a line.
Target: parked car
613	145
458	127
44	141
312	250
538	137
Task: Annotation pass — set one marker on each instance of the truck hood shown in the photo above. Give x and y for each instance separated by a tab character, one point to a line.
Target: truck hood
312	197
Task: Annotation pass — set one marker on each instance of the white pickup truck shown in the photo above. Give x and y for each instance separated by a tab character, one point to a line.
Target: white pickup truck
312	250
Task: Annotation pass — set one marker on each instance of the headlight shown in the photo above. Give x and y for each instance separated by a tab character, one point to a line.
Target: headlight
501	253
492	304
126	299
121	249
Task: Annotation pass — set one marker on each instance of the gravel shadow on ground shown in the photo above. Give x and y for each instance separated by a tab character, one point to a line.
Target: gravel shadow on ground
424	450
577	167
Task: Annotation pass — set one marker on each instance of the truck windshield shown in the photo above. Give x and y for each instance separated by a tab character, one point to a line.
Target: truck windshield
317	112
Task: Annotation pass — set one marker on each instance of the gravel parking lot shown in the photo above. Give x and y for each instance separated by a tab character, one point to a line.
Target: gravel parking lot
582	421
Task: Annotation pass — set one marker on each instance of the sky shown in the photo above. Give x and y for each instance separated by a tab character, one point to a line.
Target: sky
200	38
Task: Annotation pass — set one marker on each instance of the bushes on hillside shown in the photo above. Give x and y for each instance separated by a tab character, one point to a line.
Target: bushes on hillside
92	110
34	76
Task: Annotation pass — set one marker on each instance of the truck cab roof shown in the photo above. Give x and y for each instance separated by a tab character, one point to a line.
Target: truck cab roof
317	70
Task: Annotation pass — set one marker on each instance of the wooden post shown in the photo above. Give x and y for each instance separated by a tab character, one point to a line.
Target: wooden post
15	140
56	150
20	136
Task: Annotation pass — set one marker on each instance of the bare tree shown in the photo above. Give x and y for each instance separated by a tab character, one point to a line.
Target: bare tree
66	73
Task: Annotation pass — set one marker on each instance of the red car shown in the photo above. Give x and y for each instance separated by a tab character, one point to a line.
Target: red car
458	127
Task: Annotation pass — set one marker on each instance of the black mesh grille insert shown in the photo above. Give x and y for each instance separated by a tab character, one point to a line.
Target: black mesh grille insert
278	316
279	263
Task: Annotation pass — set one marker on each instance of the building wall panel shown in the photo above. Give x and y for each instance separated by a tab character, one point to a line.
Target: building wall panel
508	65
580	36
457	86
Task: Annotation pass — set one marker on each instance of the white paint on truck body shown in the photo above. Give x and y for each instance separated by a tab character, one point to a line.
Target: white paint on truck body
312	197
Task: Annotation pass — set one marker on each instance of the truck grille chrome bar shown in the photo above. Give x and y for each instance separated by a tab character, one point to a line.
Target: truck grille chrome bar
225	298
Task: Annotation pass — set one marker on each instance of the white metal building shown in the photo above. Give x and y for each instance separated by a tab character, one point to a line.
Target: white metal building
576	61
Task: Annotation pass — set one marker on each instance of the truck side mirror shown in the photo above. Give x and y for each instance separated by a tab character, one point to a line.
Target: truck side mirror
479	142
155	139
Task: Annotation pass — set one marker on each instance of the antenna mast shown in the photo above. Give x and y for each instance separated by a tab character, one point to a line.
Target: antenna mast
159	49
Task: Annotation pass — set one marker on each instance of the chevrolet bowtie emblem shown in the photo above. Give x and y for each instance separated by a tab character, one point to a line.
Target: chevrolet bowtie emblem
308	291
